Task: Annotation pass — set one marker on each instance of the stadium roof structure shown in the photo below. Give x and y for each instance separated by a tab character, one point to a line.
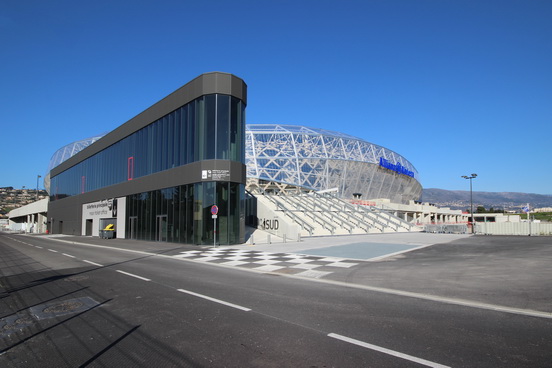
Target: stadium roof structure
68	151
319	159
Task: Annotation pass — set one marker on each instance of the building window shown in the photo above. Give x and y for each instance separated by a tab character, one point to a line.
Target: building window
130	168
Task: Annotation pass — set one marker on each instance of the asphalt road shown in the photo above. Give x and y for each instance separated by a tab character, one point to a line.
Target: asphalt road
69	305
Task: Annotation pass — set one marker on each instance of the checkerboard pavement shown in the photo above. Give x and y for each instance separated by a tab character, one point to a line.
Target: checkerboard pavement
285	263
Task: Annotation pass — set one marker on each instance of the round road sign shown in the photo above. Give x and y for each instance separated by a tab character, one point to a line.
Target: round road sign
214	210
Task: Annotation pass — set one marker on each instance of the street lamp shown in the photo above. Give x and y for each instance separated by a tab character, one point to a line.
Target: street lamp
37	177
472	176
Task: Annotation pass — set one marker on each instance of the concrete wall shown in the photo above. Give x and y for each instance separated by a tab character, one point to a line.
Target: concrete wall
29	218
275	222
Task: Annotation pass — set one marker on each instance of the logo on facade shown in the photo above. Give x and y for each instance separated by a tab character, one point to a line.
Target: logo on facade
395	167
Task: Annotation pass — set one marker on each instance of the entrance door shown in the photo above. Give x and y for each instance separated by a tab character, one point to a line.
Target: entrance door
162	228
89	227
133	222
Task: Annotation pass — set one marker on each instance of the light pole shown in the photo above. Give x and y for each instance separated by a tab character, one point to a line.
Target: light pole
37	177
472	176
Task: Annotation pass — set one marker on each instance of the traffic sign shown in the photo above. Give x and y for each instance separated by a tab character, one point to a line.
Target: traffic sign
214	210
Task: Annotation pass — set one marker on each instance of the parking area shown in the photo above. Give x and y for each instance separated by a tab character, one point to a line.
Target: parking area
511	271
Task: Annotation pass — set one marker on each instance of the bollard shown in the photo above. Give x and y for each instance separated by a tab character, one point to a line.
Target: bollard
268	239
284	238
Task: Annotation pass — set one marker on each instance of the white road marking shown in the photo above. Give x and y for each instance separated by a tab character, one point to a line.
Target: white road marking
92	263
39	247
215	300
133	275
52	250
387	351
68	255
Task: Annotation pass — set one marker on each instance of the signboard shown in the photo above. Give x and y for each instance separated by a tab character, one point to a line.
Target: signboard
105	208
398	168
215	175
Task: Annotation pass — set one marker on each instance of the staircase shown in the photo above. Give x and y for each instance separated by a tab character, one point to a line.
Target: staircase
318	214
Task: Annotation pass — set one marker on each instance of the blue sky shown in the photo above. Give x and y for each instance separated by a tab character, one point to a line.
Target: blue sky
455	86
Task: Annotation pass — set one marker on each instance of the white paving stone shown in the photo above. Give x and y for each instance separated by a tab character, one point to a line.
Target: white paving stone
291	255
235	258
267	262
313	274
342	264
206	259
268	268
331	259
299	260
266	257
306	266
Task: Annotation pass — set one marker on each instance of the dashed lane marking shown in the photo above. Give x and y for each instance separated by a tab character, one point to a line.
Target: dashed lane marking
133	275
92	263
394	353
215	300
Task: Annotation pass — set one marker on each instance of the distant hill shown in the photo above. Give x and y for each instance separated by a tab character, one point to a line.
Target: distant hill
460	199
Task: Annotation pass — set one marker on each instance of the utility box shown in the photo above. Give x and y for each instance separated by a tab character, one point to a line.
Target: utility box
108	232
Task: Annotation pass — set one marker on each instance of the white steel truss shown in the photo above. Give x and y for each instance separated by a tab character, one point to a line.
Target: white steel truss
292	156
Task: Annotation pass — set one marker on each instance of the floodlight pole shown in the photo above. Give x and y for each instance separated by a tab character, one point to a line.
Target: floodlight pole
472	176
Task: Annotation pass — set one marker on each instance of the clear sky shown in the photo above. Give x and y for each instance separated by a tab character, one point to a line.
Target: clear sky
455	86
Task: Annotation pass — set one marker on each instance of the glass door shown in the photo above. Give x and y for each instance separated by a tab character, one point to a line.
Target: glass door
162	228
133	222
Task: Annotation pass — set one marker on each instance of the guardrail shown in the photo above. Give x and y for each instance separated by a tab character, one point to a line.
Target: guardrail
446	228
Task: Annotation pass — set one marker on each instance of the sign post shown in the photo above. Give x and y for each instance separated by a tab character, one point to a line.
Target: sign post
214	212
526	209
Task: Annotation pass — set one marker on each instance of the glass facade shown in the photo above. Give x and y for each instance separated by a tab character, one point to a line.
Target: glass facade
183	214
210	127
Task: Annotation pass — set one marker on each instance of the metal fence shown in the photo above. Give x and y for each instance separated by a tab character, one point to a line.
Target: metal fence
514	228
446	228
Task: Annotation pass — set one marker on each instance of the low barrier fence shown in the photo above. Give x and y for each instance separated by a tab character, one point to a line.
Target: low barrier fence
446	228
513	228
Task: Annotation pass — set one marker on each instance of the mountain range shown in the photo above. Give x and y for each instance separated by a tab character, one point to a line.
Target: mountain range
460	199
